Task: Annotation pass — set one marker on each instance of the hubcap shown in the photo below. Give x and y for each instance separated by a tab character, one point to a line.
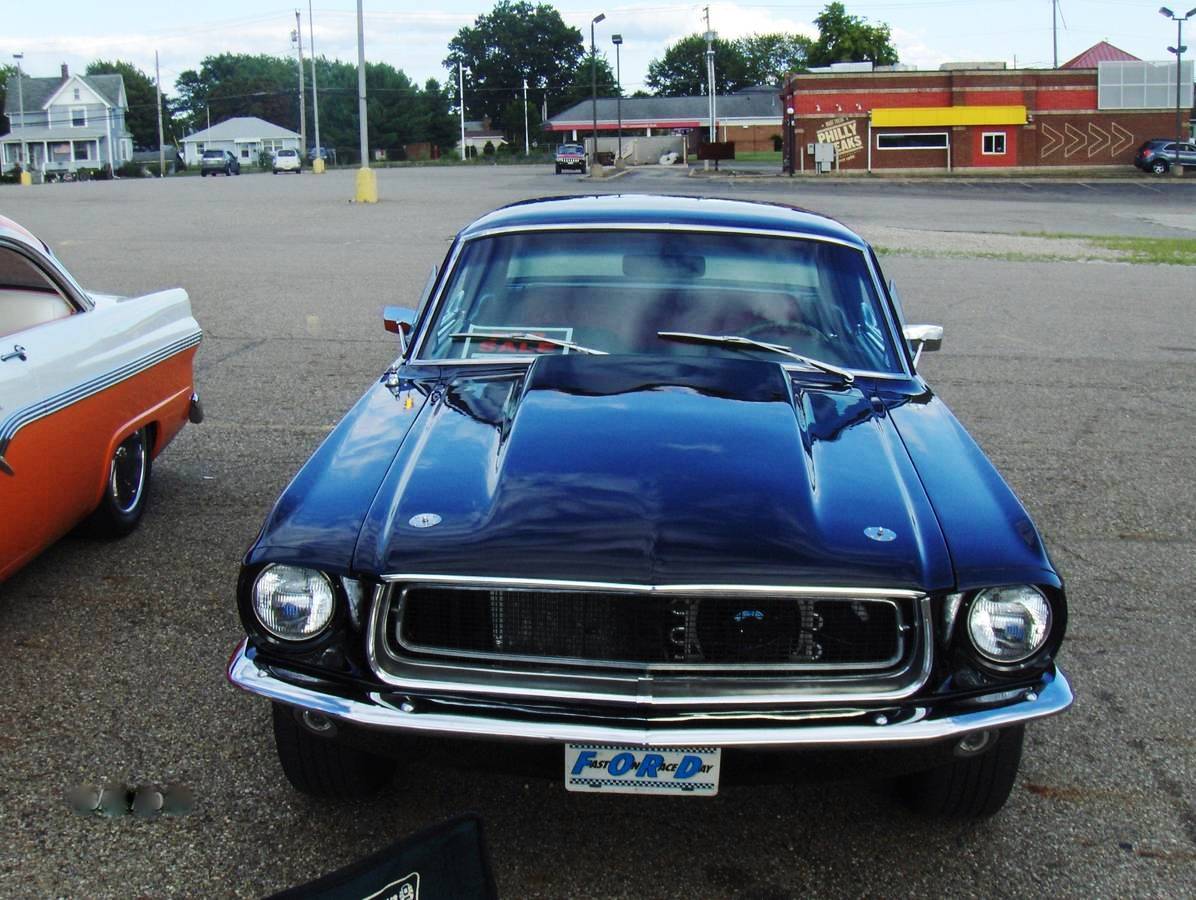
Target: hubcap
127	478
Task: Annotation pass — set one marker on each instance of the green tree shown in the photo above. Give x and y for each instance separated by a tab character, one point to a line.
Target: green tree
846	38
770	57
515	40
142	117
238	84
398	111
580	87
681	72
6	72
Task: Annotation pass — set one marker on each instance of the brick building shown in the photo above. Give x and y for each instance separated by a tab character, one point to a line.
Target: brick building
981	118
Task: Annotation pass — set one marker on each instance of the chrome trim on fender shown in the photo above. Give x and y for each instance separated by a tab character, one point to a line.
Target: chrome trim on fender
648	688
374	711
18	419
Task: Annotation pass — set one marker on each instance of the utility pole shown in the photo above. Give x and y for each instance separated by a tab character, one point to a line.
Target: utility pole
461	98
527	147
712	134
317	165
367	181
158	92
617	40
302	102
594	84
1055	29
21	106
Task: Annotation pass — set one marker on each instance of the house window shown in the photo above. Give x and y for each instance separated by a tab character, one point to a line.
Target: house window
199	148
994	143
244	151
82	150
78	117
932	141
76	93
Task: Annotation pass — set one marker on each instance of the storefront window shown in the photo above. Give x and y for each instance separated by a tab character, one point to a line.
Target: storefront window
994	143
935	141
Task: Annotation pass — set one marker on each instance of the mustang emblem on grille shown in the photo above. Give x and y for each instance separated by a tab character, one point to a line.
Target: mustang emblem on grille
745	614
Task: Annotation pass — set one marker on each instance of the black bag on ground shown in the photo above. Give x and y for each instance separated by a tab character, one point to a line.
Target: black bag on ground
444	862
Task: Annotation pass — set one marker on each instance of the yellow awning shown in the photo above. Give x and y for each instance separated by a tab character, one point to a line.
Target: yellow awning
917	117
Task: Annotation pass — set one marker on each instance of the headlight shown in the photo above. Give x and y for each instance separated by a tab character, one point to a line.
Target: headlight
293	603
1009	624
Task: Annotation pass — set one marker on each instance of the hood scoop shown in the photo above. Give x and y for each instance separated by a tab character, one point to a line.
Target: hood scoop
752	381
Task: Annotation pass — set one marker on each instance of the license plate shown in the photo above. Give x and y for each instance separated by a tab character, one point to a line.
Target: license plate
686	772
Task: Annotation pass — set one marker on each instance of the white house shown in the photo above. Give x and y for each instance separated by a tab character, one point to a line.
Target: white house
66	123
244	136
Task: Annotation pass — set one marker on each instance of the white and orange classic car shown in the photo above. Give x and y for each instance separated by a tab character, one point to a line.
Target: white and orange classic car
92	388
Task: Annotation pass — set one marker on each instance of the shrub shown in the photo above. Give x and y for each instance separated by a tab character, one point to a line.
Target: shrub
265	159
778	143
488	150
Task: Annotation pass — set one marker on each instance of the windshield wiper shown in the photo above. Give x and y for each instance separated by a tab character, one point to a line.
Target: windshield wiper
526	336
734	340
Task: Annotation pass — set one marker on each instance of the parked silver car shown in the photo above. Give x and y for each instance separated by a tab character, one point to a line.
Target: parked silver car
214	161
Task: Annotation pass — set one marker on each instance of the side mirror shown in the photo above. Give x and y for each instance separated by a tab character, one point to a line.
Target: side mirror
398	320
923	338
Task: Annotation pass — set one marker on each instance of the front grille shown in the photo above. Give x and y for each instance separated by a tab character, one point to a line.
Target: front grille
651	630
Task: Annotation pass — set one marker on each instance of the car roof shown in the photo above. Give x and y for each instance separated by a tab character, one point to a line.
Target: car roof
16	231
644	209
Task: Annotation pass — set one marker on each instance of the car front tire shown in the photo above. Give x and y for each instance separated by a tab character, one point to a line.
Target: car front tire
323	766
126	487
975	787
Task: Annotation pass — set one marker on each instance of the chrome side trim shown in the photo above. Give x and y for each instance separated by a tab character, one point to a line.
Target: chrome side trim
18	419
646	688
375	711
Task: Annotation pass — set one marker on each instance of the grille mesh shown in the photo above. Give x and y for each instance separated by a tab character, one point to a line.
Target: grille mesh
610	627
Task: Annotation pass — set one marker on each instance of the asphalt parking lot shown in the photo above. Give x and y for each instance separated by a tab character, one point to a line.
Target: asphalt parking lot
1076	377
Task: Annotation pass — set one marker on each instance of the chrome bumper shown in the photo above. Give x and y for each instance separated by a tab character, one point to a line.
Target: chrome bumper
375	711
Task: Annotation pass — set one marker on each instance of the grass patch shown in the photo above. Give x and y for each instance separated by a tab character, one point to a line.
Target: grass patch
1010	256
757	156
1152	251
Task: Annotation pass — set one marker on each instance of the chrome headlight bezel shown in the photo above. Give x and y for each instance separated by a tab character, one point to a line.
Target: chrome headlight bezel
324	602
1040	623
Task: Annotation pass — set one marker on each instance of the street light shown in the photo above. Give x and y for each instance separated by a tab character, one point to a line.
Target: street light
594	80
1178	50
461	97
21	106
617	40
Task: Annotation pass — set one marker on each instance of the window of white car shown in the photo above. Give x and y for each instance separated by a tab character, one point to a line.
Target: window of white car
27	296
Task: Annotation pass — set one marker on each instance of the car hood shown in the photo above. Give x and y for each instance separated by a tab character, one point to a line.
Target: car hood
654	471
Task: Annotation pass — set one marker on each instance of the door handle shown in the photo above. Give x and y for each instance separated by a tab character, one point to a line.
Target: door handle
18	352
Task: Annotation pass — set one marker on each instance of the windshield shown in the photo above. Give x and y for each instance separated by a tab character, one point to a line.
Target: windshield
286	152
615	291
213	154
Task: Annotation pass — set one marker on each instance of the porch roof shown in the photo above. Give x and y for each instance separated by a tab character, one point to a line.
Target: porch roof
38	135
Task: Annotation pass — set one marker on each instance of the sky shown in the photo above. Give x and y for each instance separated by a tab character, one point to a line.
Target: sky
414	37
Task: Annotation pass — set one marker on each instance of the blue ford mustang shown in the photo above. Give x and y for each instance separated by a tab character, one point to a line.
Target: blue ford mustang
654	482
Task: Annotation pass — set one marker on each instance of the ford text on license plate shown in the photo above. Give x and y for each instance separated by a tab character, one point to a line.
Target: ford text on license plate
688	772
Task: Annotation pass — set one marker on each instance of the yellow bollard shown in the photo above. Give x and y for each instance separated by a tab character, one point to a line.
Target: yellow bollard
367	186
317	166
26	178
